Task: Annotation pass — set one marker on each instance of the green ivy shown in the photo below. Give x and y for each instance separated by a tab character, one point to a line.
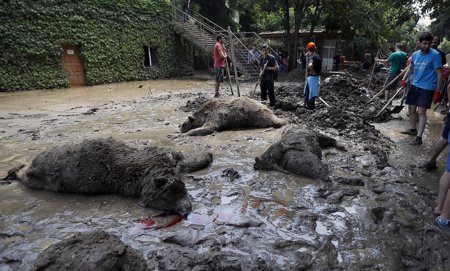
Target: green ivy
110	33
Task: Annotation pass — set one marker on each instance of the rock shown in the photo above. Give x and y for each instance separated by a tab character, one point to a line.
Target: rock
90	251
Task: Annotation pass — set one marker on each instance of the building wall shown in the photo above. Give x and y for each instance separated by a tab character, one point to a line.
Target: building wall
111	35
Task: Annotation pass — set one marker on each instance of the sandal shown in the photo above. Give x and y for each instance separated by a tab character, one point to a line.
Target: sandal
442	222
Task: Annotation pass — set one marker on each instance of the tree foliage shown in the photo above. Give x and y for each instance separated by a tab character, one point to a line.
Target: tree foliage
369	22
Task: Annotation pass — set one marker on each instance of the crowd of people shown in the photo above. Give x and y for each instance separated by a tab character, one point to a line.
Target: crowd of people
422	76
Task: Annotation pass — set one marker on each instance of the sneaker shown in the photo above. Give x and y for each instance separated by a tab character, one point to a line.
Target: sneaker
416	141
442	222
409	132
436	212
430	165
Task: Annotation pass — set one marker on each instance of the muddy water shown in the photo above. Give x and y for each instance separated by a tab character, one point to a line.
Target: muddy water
60	99
32	121
284	212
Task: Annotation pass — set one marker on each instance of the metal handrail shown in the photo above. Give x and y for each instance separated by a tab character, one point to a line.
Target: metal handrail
212	29
272	51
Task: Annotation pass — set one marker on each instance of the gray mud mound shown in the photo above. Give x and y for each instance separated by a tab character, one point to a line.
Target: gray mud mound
298	152
343	91
107	166
348	116
91	252
186	259
350	126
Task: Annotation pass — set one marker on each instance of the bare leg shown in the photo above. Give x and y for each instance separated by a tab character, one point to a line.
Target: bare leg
445	214
438	147
443	198
412	116
216	93
422	121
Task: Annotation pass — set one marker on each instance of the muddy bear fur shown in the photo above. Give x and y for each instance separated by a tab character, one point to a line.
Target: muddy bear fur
107	166
236	113
299	152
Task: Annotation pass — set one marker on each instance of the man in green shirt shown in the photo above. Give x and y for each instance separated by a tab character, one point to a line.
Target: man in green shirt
397	61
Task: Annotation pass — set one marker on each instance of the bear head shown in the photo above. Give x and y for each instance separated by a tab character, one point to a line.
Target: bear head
38	178
166	193
191	123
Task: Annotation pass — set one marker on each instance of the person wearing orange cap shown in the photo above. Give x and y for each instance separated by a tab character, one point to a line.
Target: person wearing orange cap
314	67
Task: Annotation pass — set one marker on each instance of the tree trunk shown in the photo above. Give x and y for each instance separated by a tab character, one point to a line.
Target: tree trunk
299	11
316	16
287	28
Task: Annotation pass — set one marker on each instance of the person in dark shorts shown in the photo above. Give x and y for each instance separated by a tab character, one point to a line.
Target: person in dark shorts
427	67
442	209
268	67
439	145
220	56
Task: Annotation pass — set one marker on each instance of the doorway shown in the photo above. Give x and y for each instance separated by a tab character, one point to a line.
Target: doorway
73	66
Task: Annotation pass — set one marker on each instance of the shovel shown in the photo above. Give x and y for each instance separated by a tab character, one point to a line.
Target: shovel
229	77
254	90
259	80
398	108
388	102
390	84
373	69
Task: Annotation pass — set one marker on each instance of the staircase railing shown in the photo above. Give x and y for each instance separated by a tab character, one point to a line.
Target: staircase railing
253	39
211	30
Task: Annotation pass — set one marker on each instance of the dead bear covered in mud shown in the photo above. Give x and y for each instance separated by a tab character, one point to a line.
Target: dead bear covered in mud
222	115
299	152
107	166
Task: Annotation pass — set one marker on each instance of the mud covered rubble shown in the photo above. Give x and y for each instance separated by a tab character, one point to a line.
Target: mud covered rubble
347	116
351	221
97	250
330	228
392	222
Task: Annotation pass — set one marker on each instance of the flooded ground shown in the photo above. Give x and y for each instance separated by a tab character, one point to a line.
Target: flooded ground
361	217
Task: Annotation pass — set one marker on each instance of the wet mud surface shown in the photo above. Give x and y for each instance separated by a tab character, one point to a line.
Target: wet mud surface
372	211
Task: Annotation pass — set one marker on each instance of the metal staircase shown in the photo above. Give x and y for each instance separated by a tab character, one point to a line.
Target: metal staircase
202	32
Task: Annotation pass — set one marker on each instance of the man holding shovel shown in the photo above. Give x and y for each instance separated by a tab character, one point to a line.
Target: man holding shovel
268	67
397	60
220	56
313	69
426	86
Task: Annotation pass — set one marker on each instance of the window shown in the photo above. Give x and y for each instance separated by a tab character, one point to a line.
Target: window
328	54
150	57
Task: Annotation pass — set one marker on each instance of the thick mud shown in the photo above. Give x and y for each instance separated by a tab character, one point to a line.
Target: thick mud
371	212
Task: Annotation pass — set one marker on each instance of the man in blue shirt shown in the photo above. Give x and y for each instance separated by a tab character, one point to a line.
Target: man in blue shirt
427	80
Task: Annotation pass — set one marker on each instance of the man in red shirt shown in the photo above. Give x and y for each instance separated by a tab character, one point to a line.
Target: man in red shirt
219	61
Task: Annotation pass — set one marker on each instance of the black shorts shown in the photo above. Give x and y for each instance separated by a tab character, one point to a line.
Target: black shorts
419	97
446	127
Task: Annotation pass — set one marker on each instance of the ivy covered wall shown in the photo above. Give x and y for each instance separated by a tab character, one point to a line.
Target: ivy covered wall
110	33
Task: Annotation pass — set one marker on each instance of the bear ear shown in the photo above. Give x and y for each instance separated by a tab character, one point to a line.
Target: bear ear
191	118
